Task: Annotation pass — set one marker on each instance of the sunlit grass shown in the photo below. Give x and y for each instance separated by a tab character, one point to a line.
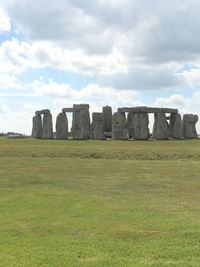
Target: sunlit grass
99	203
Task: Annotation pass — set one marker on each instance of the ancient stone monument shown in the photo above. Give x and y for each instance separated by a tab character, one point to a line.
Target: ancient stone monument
61	126
175	126
160	127
189	129
119	126
135	126
81	122
147	109
140	131
107	116
138	125
97	127
37	126
42	112
47	126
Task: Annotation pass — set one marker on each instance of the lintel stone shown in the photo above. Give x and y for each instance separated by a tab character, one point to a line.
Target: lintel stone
67	110
78	107
43	111
147	110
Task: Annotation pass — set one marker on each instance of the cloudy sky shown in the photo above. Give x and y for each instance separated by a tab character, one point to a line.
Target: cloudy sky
116	52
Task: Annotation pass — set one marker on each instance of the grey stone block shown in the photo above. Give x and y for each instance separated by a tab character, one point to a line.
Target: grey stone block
130	125
161	127
81	122
189	126
97	128
42	112
47	126
175	126
140	122
148	110
67	110
107	115
61	126
119	126
37	126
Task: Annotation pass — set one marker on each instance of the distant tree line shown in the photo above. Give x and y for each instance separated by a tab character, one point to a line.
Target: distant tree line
9	133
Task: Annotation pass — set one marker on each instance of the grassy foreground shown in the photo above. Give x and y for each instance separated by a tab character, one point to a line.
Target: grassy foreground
99	203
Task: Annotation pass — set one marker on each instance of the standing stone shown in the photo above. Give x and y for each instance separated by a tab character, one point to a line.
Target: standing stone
189	128
37	126
160	127
47	127
107	115
81	122
119	126
130	124
61	126
140	126
87	118
175	126
97	128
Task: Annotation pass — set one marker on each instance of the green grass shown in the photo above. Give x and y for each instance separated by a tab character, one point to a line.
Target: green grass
99	203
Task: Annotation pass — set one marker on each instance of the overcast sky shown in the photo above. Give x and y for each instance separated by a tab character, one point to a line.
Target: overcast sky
54	54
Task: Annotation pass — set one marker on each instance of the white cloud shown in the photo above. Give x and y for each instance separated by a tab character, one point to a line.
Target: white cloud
20	122
98	97
51	89
5	24
174	101
145	30
16	57
3	107
184	104
30	107
137	45
92	93
191	77
144	78
10	82
13	57
62	22
113	69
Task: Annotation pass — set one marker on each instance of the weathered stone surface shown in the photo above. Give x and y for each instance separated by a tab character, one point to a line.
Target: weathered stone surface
137	125
140	126
175	126
47	127
107	116
161	127
78	107
189	126
37	126
97	128
130	124
67	110
61	126
147	110
81	122
44	111
108	134
119	126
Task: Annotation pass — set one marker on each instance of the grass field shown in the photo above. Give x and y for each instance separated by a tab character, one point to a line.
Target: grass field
99	203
